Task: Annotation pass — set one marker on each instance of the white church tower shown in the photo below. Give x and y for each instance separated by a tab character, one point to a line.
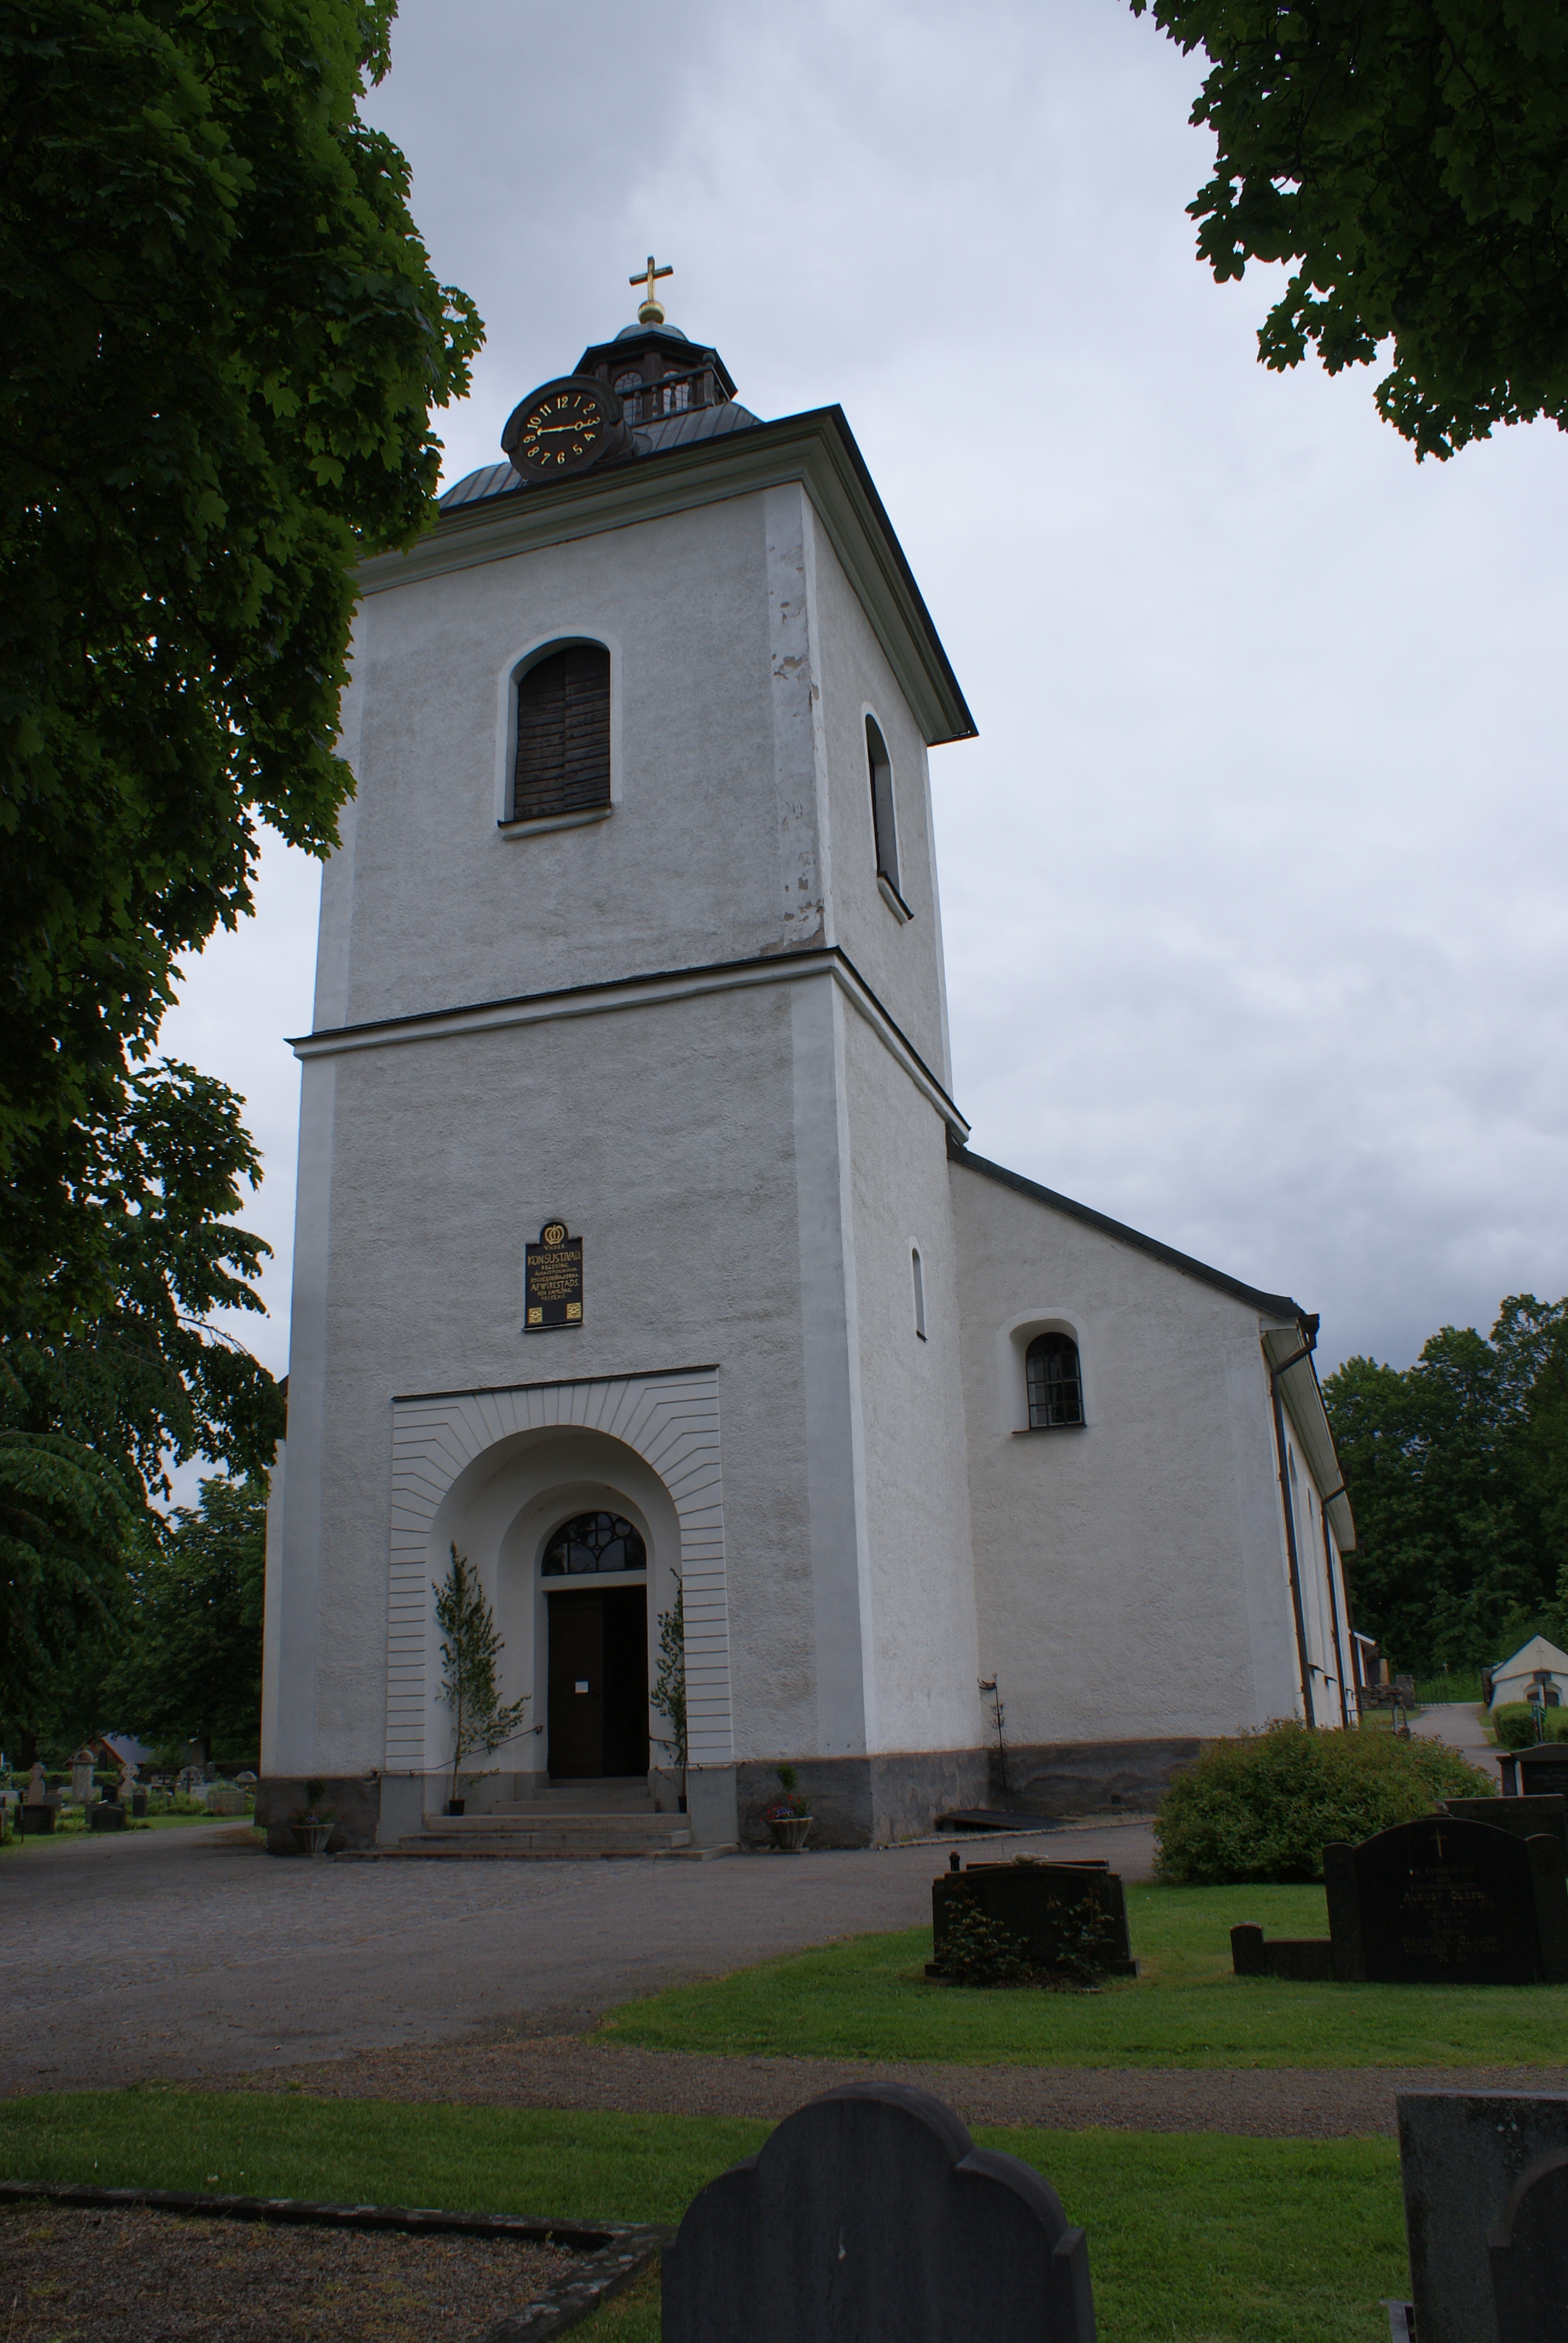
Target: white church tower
632	1193
633	940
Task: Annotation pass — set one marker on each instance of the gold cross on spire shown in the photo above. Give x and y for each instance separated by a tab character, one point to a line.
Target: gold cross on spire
652	310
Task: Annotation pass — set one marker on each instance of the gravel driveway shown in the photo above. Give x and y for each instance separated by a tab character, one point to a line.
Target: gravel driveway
179	1955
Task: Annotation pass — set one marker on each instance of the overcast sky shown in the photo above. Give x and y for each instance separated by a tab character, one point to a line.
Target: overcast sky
1253	882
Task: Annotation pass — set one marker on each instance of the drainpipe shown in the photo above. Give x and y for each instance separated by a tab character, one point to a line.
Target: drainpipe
1311	1325
1324	1504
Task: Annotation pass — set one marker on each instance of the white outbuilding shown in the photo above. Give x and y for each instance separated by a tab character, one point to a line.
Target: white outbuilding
640	1244
1534	1663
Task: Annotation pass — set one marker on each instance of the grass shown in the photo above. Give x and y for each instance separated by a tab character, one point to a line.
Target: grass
1193	2238
71	1832
869	1998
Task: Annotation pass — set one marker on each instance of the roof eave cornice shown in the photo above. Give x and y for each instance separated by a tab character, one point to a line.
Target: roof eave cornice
817	449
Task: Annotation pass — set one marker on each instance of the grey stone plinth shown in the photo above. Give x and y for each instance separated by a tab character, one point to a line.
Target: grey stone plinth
1529	2255
869	2217
1461	2153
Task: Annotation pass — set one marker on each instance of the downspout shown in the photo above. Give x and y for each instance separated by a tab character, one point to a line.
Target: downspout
1290	1512
1324	1504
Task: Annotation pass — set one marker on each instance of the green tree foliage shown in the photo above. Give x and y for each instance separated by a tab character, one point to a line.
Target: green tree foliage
1457	1470
192	1668
472	1646
92	1420
1264	1807
1411	158
225	345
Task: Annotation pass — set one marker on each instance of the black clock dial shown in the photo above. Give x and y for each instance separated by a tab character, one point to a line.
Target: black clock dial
563	428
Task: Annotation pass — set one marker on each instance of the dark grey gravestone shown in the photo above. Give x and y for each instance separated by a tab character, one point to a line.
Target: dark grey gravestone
1057	1910
1529	2255
870	2217
1442	1902
1461	2153
1523	1815
1543	1771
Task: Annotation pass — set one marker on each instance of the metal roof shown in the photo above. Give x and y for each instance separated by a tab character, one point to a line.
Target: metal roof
653	439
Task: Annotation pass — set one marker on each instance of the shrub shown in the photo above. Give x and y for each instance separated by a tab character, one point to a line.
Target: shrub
1264	1807
980	1951
1514	1723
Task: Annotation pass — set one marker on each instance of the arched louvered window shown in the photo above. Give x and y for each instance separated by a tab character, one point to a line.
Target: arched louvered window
591	1542
884	826
563	734
1055	1383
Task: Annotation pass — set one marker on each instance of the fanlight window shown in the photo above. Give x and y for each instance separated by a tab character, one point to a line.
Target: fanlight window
1055	1383
563	734
594	1541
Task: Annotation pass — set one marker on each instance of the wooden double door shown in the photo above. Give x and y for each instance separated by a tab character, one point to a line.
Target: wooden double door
598	1681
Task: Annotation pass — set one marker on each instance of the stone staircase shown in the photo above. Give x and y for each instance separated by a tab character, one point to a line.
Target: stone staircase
579	1820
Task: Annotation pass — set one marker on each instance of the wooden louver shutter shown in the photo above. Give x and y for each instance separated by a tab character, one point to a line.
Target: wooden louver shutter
563	734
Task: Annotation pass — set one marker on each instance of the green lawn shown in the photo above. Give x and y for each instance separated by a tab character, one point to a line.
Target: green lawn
72	1833
1192	2239
869	1998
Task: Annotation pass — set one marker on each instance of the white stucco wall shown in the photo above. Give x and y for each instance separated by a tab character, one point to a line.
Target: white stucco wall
1131	1576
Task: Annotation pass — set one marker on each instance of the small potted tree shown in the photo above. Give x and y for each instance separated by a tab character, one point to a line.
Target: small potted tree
314	1824
788	1818
668	1694
468	1657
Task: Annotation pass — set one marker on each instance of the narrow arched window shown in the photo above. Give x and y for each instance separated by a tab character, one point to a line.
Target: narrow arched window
920	1278
563	734
884	826
590	1542
1055	1383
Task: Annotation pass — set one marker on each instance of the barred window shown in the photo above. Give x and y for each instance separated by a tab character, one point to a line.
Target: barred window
563	734
1055	1384
594	1541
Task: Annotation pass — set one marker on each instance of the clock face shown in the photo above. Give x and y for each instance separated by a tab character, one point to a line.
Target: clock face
564	426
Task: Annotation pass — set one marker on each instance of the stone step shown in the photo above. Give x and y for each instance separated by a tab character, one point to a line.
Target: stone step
559	1834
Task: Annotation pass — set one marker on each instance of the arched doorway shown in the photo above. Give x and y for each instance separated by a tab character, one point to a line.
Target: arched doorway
597	1650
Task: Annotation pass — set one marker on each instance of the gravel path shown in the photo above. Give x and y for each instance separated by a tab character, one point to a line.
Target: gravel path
174	1954
1267	2103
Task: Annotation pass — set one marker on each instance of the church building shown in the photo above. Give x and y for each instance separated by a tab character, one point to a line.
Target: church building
640	1248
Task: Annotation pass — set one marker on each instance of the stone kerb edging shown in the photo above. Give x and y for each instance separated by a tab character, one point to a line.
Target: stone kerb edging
669	1419
618	2251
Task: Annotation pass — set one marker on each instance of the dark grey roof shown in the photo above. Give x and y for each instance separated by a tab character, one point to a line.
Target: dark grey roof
674	431
1273	1305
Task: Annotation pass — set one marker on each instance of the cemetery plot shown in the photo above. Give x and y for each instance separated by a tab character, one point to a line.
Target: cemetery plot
1058	1915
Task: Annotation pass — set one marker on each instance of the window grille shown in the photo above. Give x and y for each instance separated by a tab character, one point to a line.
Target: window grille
1055	1383
594	1541
563	734
884	830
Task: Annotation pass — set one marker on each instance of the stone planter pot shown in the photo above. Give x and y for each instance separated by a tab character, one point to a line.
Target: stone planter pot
311	1837
37	1821
790	1835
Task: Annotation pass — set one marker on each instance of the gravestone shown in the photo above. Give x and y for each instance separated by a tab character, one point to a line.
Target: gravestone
1541	1772
1305	1960
1525	1816
1443	1902
1529	2255
869	2217
1055	1909
37	1787
81	1777
1462	2155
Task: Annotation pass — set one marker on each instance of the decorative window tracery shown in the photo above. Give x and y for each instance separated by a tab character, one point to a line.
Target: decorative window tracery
591	1542
1055	1383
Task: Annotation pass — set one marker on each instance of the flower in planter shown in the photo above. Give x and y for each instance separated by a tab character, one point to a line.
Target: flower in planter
795	1805
314	1810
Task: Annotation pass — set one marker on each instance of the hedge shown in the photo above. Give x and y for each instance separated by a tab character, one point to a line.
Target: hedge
1263	1806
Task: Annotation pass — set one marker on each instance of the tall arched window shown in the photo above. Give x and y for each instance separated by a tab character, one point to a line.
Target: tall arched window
884	827
1055	1383
592	1542
563	734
